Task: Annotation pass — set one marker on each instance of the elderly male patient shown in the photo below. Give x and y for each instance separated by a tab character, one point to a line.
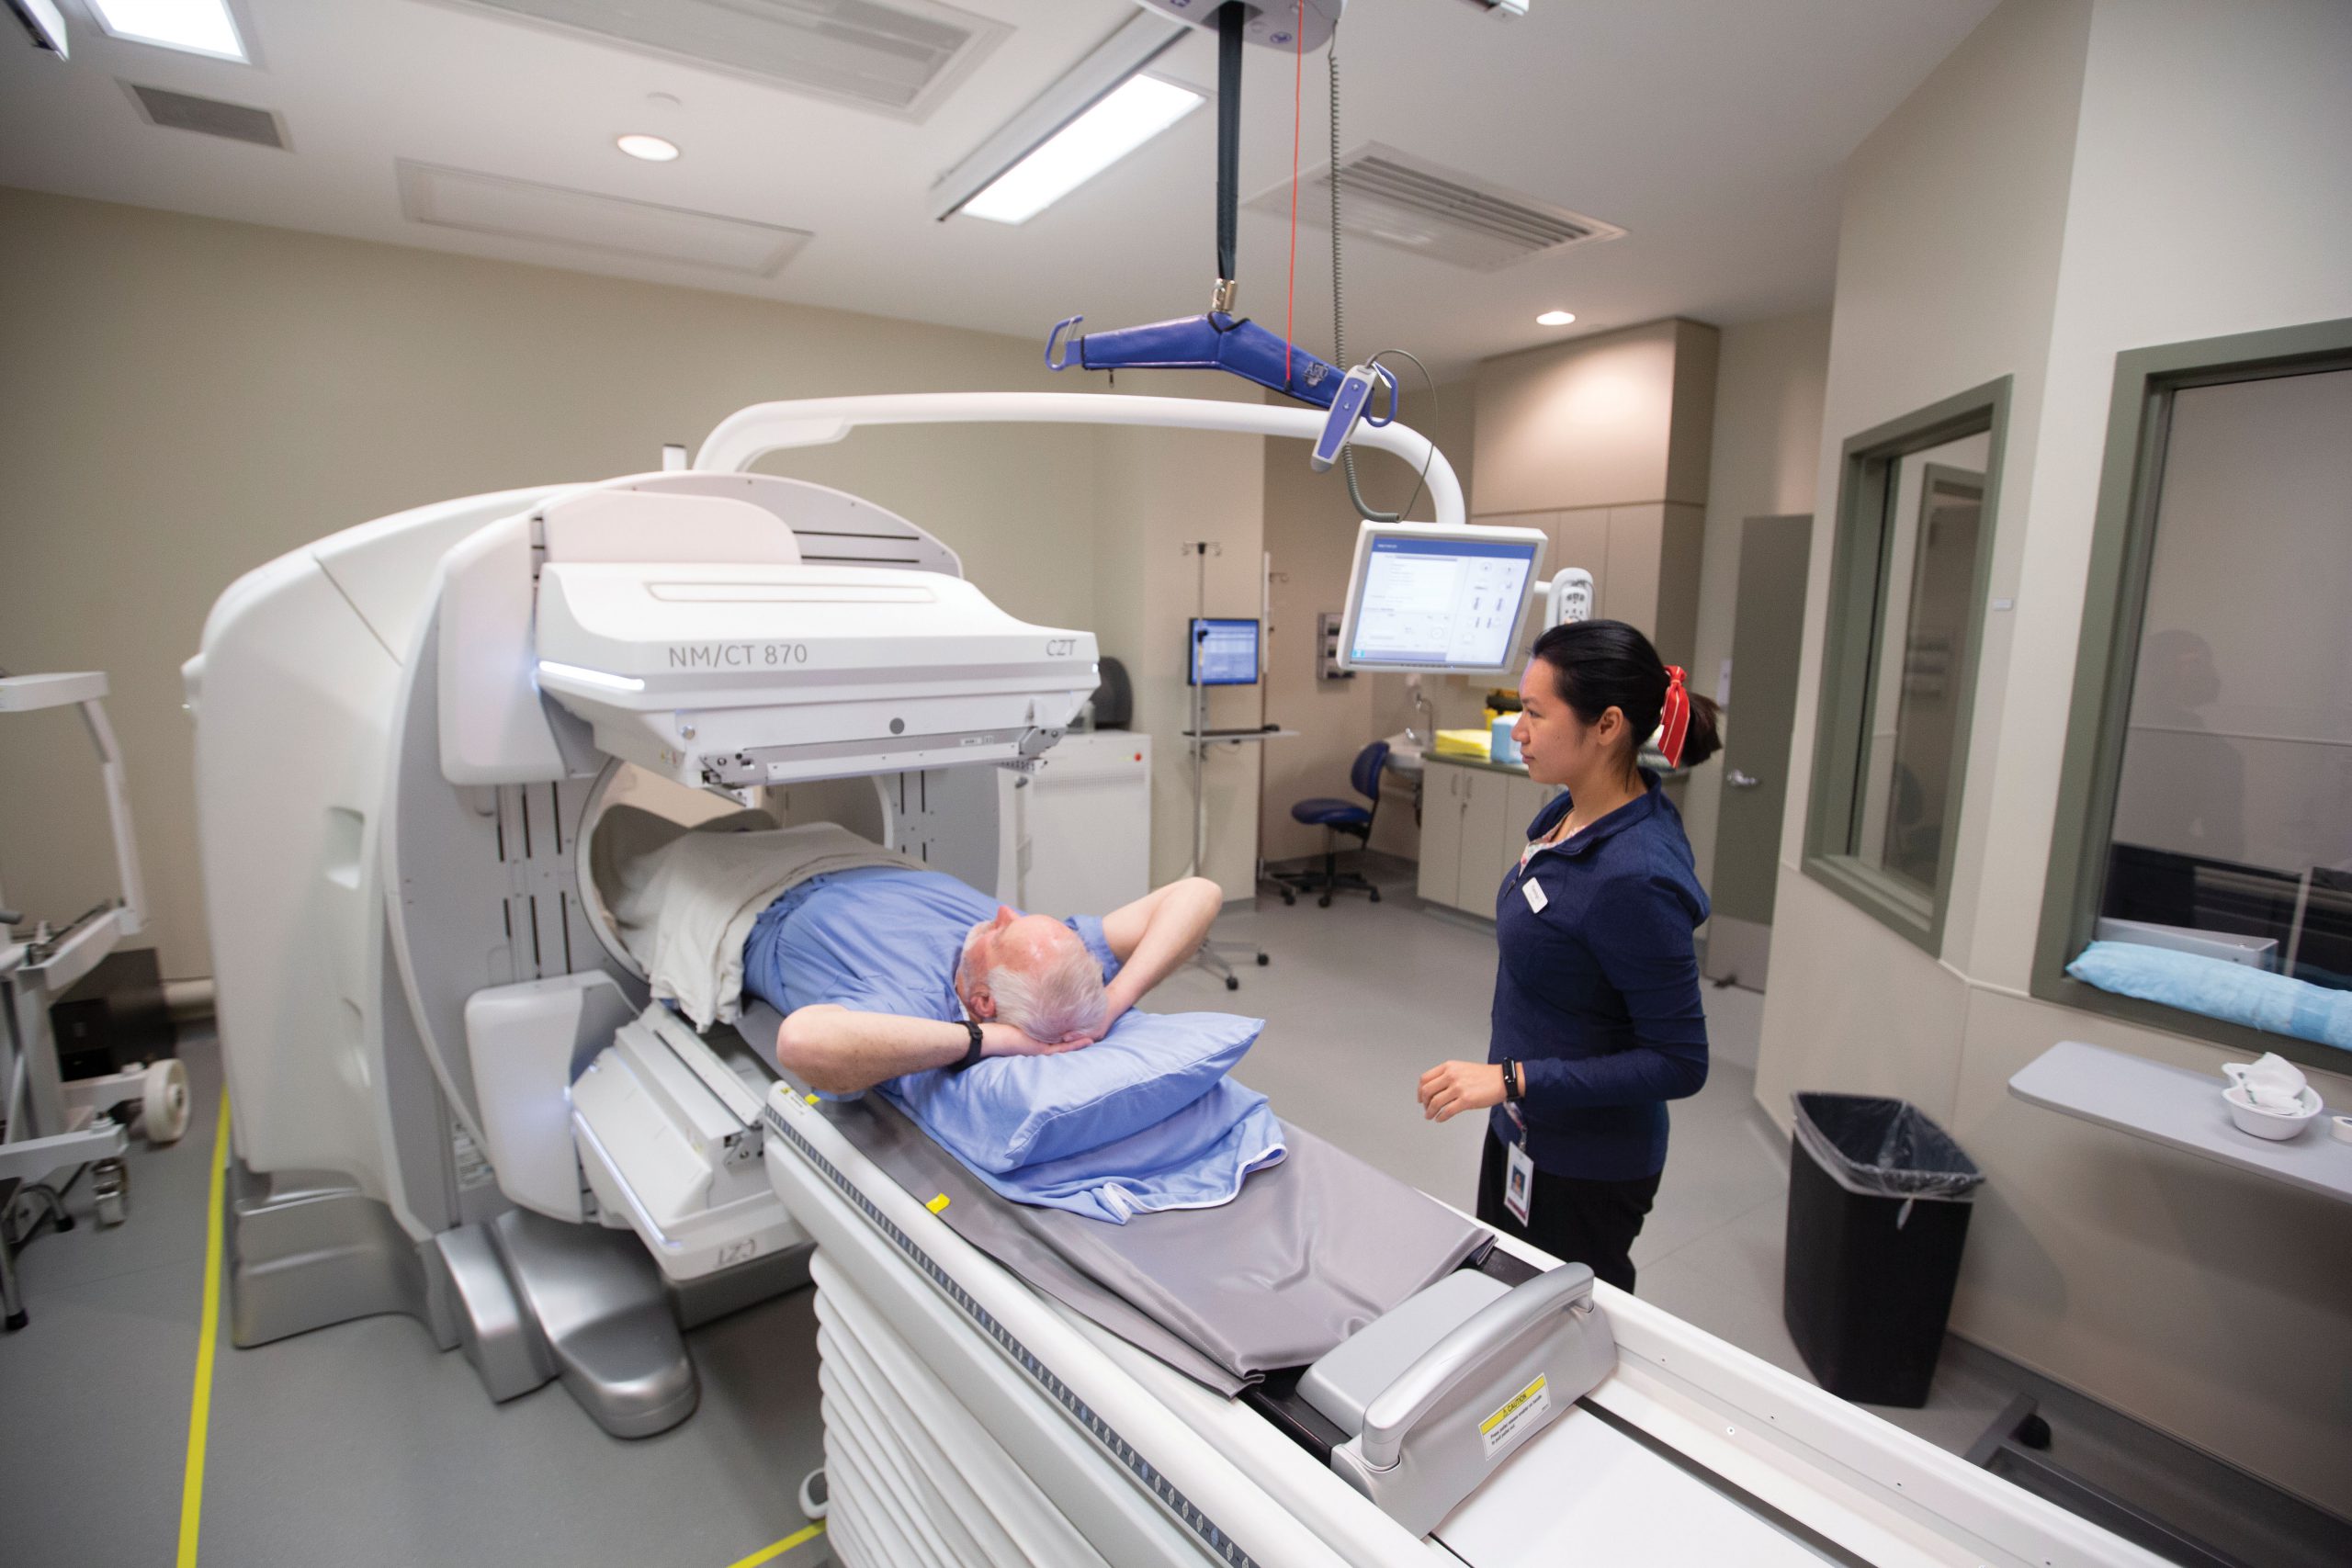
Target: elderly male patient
877	971
880	966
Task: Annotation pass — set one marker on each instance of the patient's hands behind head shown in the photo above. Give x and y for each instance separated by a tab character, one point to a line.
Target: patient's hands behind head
1034	974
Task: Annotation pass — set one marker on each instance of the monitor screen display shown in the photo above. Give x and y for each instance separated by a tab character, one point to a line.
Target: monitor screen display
1440	598
1224	652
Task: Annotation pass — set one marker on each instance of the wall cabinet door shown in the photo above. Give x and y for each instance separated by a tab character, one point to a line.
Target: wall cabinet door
1442	808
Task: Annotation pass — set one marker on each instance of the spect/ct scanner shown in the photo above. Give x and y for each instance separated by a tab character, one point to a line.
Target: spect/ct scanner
454	1098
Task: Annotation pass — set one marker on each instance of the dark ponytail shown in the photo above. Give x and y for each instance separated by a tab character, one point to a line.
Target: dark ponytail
1600	665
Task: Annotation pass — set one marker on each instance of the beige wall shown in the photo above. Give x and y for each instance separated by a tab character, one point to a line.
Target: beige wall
1156	492
2209	1303
1769	386
1311	536
182	399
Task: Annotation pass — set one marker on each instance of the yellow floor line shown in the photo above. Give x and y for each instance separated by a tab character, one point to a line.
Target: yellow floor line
770	1554
200	1405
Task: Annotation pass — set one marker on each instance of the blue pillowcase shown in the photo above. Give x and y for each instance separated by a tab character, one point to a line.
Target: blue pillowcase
1010	1111
2216	987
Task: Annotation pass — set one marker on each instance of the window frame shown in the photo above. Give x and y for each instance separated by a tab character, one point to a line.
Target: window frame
2115	602
1861	556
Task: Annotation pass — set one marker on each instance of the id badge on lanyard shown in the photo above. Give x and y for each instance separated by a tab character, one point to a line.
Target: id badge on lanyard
1519	1172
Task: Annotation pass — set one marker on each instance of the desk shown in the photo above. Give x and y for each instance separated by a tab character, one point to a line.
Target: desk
2180	1108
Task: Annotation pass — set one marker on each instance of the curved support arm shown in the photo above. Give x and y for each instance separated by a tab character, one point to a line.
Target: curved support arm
1420	1388
748	435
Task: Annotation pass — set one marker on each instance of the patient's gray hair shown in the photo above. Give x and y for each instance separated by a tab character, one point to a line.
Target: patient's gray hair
1061	998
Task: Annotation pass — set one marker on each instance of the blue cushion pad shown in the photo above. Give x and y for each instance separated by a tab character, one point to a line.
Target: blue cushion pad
1011	1111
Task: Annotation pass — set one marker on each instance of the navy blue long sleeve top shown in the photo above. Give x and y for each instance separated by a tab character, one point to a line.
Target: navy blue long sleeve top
1597	990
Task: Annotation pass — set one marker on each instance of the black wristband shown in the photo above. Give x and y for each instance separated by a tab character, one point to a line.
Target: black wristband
971	1053
1512	1093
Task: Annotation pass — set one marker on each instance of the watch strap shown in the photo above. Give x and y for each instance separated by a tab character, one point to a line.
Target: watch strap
972	1051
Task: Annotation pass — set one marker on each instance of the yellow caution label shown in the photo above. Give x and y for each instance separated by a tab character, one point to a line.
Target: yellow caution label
812	1099
1522	1412
936	1205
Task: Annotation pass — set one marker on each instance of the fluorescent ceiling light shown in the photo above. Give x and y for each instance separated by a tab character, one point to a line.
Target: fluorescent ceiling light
1134	112
590	677
652	149
1554	319
197	27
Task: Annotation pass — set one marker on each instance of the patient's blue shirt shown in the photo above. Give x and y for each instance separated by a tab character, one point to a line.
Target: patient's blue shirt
877	939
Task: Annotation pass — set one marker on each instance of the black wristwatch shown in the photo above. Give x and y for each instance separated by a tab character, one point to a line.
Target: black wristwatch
1511	1092
973	1053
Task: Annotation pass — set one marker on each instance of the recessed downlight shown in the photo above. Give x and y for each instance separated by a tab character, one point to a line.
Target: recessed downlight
1555	318
652	149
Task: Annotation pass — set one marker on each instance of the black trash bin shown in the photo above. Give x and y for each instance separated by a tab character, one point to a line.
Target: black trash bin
1878	1212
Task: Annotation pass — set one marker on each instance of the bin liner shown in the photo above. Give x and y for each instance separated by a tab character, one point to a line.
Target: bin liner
1885	1148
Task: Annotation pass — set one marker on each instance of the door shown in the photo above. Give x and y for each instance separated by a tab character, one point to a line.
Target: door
1482	838
1441	868
1773	556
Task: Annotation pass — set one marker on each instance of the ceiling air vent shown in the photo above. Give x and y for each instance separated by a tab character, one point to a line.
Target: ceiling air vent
525	209
897	56
185	111
1396	200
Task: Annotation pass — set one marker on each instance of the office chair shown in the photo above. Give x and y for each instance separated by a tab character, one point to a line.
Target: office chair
1336	816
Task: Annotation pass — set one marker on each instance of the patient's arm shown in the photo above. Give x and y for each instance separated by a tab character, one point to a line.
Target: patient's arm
841	1049
1156	935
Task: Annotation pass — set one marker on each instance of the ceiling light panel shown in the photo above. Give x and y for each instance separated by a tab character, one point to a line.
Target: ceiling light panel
899	57
525	209
1133	113
194	26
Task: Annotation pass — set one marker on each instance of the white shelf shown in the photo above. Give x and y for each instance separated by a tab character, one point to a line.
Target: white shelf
2178	1107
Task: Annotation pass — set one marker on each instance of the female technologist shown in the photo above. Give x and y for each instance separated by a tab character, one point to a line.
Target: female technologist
1596	1022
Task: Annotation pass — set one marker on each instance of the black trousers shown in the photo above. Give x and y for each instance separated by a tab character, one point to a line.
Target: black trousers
1591	1223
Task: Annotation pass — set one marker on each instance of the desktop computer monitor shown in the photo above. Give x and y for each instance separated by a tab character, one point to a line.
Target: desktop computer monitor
1224	652
1448	598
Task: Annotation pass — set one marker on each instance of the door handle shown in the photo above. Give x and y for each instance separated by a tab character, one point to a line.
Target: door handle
1738	780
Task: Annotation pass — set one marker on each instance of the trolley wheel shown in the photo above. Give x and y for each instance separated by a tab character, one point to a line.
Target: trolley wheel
1375	894
1324	902
1287	900
2034	1432
1233	982
163	1101
1263	961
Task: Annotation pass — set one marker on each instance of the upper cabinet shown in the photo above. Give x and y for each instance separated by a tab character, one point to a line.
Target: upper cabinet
1603	443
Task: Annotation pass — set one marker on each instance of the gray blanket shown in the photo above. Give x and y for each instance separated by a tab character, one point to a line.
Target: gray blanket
1312	1250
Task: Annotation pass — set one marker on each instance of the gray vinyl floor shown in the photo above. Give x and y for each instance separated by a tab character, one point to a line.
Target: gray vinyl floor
362	1445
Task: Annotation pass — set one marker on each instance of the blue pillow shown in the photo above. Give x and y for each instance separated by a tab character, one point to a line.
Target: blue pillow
2219	989
1011	1111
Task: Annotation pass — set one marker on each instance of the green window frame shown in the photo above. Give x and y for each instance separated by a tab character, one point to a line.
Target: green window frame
2114	602
1859	563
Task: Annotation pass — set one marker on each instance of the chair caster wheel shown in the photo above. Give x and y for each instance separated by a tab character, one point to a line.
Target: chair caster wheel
1375	895
16	1320
1263	961
1324	902
1288	900
1232	983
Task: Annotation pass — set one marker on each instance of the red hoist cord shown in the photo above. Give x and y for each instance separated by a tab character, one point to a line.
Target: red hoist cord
1297	96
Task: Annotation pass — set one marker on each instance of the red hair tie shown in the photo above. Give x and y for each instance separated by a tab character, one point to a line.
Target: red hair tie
1674	723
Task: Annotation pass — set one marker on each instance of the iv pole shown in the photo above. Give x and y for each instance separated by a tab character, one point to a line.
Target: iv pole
1212	955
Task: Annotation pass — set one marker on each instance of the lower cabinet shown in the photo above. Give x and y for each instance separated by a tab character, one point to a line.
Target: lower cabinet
1473	824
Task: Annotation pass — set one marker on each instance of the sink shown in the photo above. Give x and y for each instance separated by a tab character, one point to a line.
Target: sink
1404	756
